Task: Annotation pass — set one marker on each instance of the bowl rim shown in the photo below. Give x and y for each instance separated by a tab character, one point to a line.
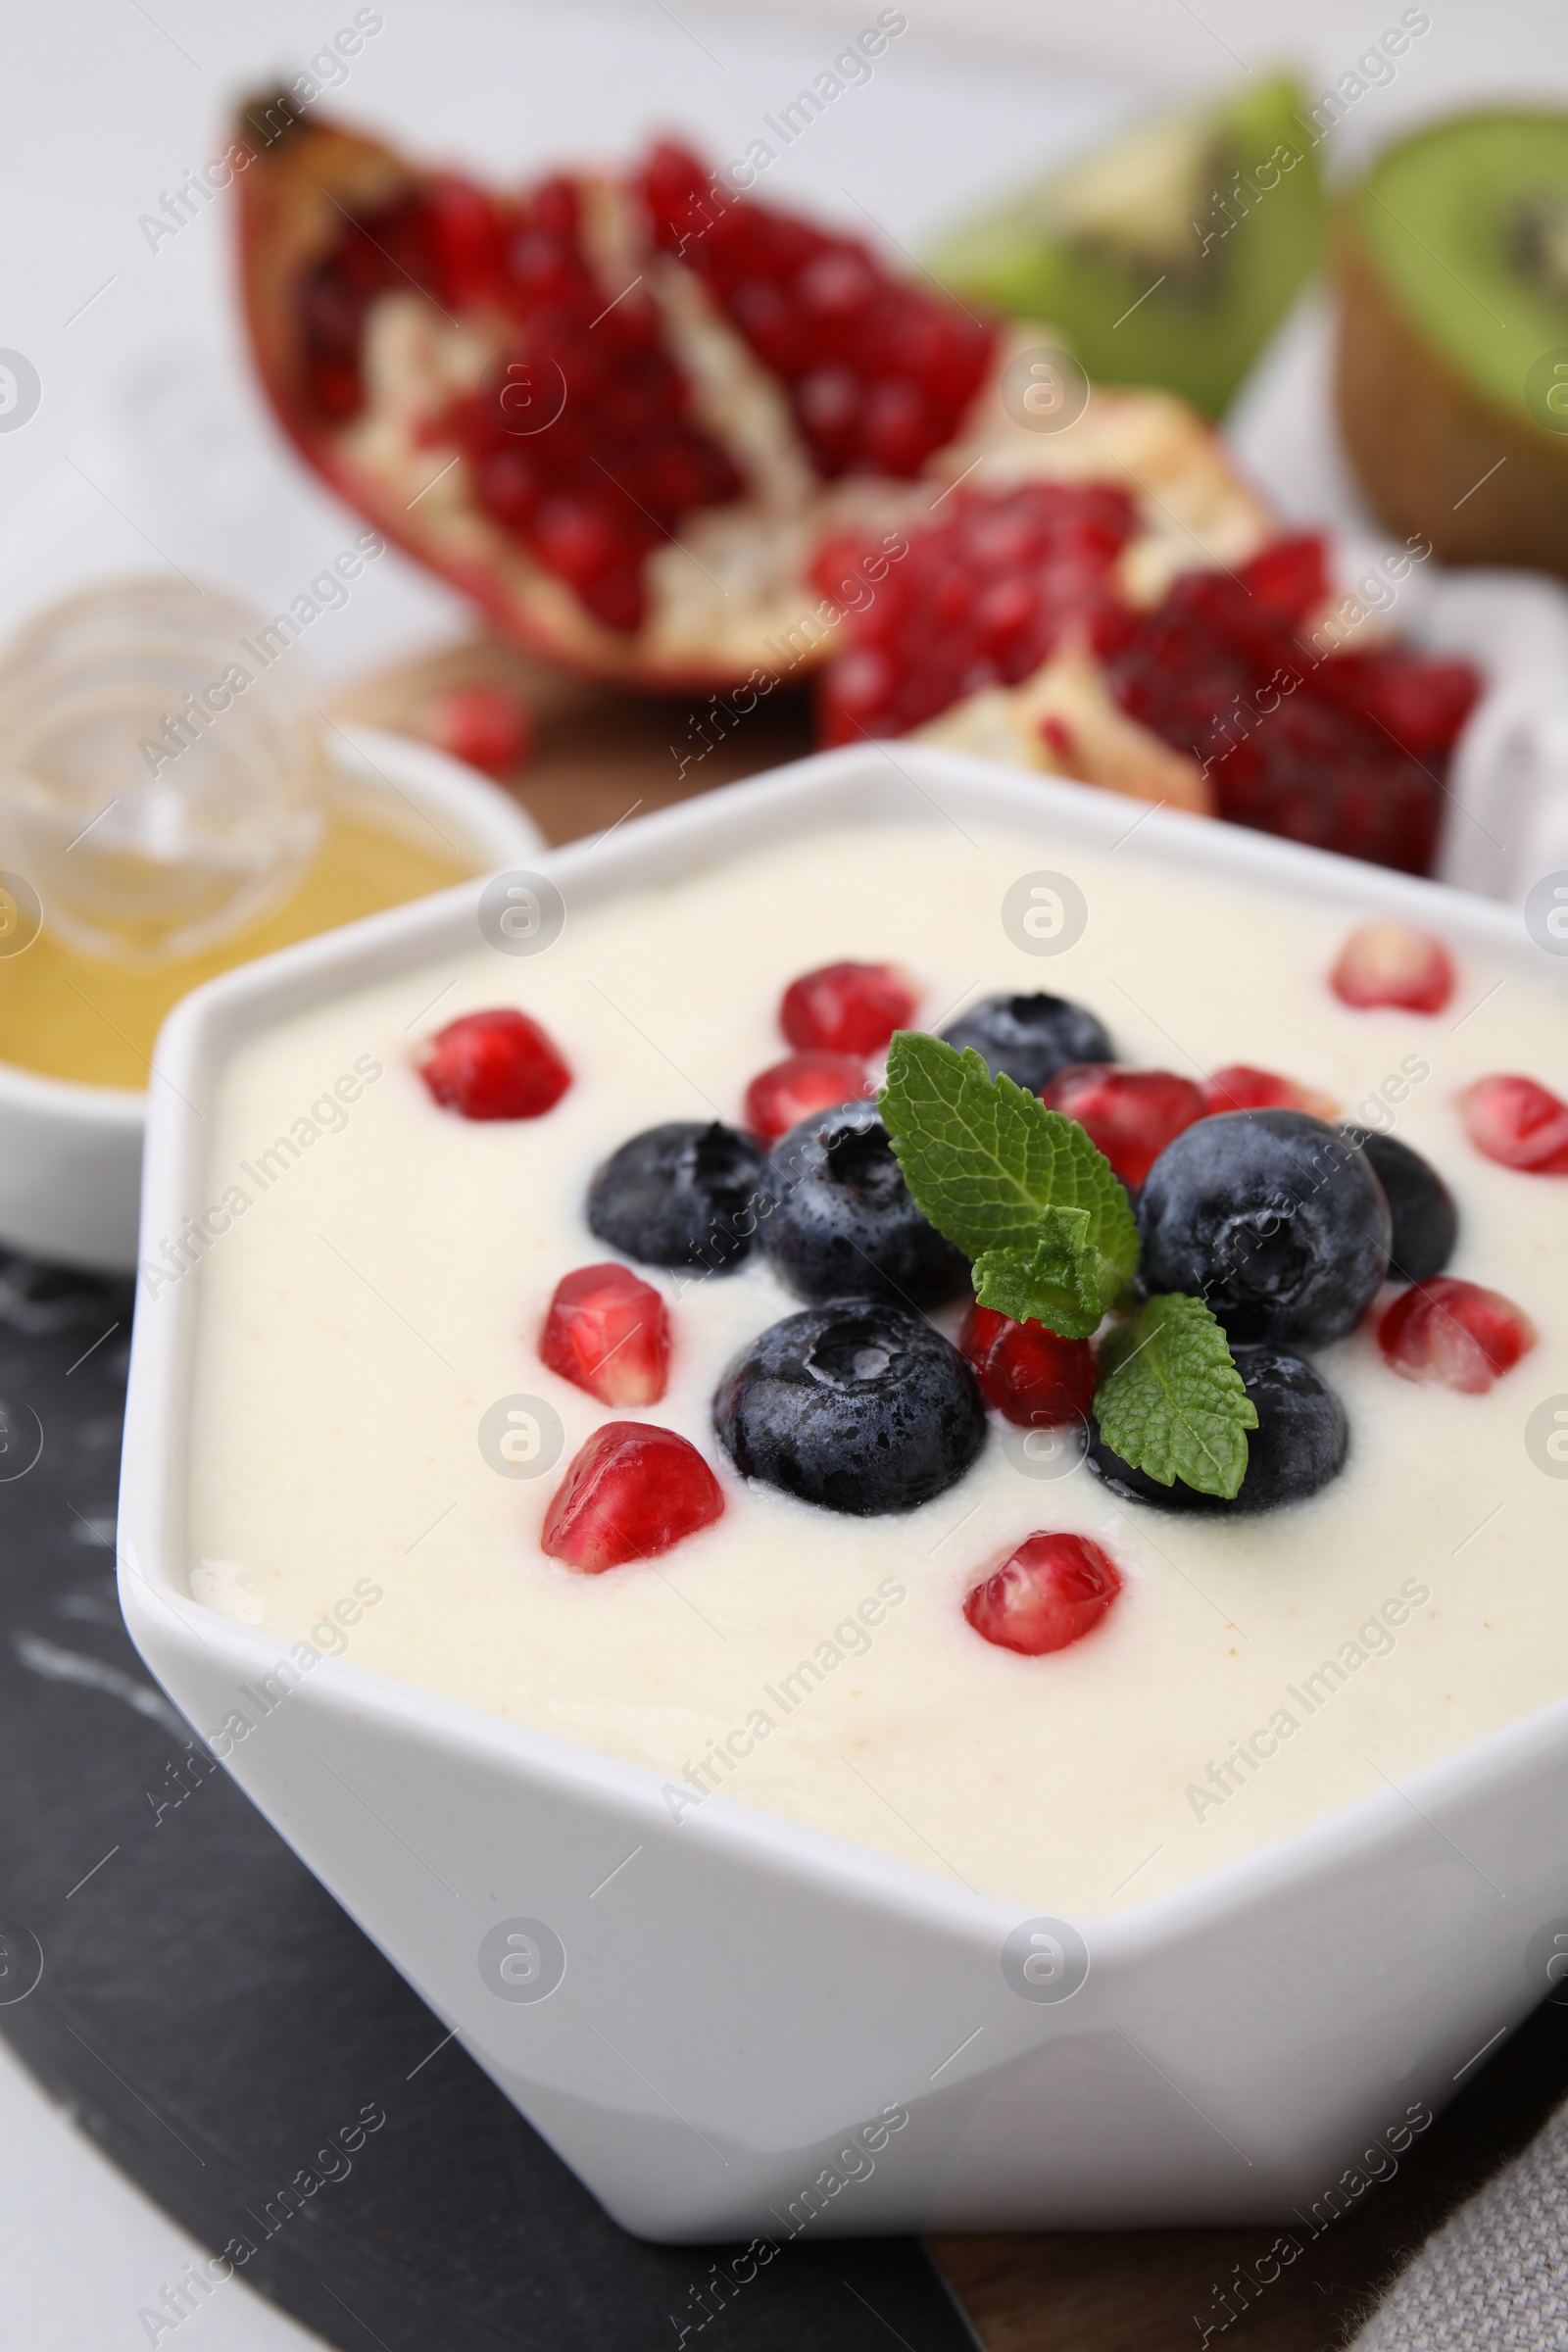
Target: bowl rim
819	792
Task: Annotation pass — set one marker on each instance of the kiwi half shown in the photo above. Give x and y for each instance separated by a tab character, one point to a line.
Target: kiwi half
1167	257
1452	377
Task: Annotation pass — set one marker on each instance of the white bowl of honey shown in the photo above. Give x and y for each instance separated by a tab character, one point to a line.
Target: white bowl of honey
262	825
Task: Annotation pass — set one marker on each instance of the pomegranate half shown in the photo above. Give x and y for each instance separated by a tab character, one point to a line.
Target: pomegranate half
660	432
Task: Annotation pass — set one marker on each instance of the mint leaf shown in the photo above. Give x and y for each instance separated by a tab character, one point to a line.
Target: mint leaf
1170	1400
1018	1187
1039	1211
1061	1282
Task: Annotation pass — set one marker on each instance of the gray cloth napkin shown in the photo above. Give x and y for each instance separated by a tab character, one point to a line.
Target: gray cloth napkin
1495	2277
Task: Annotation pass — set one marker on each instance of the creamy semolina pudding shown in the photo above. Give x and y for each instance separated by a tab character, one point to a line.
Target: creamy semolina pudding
374	1297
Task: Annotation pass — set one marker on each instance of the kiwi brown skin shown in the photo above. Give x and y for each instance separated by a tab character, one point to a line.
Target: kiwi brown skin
1420	438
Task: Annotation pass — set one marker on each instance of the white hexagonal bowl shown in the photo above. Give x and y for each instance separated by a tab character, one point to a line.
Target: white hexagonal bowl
754	1992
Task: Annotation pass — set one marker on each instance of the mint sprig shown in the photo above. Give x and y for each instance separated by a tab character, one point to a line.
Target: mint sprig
1019	1188
1170	1400
1043	1216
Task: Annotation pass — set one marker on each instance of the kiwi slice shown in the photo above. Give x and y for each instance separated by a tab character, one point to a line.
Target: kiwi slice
1453	366
1167	257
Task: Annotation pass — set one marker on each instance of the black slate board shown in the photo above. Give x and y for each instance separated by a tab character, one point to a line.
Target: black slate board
213	2017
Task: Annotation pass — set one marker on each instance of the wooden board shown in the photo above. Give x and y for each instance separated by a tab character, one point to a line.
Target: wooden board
1157	2290
603	756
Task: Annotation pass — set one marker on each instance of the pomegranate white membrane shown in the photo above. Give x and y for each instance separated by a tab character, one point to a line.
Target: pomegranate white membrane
386	1283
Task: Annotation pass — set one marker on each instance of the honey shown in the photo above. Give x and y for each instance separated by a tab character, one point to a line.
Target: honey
80	1018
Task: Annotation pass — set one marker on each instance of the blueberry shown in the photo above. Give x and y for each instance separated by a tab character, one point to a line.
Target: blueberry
845	1222
1426	1223
1273	1218
1029	1039
855	1404
681	1194
1299	1444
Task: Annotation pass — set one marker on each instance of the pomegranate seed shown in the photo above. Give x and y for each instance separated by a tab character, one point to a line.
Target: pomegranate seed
1032	1377
899	432
1425	703
581	538
609	1332
466	240
556	208
1517	1123
337	391
1456	1334
618	598
1420	705
1131	1114
838	284
1239	1087
495	1065
827	407
799	1085
1290	577
1050	1592
1388	964
484	726
847	1007
631	1492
